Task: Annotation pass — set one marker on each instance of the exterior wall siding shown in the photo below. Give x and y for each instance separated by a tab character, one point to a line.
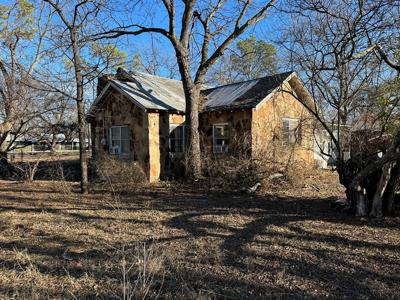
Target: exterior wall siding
154	146
116	110
267	128
239	128
251	129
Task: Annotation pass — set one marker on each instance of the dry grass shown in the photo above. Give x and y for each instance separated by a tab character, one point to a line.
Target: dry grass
192	245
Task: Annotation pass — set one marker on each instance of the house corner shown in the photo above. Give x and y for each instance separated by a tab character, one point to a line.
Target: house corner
154	147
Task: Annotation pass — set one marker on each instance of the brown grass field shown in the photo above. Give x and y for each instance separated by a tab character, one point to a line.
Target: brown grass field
160	242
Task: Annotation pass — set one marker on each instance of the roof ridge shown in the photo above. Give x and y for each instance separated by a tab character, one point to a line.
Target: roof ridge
249	80
132	72
135	72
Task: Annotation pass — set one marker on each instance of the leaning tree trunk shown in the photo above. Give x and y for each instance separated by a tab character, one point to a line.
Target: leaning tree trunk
383	197
376	209
388	200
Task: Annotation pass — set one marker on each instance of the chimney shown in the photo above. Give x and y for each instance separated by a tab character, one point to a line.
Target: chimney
102	81
123	74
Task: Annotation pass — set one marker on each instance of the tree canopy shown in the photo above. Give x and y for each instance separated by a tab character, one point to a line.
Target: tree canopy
249	58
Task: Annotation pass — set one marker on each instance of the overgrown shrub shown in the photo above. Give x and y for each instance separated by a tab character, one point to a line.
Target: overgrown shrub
120	175
230	172
246	165
21	171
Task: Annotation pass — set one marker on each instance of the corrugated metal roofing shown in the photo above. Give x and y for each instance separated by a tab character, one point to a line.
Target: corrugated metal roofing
153	92
245	94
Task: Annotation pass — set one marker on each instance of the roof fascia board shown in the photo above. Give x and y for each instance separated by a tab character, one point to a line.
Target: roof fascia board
106	88
98	99
274	91
308	96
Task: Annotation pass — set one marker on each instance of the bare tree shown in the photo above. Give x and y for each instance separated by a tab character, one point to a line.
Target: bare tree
77	19
19	99
199	33
55	125
157	61
338	47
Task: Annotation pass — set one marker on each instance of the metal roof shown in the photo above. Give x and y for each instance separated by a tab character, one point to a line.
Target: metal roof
153	92
245	94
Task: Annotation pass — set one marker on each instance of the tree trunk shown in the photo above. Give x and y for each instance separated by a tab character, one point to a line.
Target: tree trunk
388	200
81	111
390	156
192	99
361	203
193	168
82	147
352	199
376	210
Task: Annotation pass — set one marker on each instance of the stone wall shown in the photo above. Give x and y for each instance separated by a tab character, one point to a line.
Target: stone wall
162	164
259	130
149	134
154	146
239	126
267	128
116	110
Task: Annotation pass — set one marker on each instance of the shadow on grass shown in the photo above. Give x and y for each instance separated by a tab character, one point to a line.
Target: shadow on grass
274	241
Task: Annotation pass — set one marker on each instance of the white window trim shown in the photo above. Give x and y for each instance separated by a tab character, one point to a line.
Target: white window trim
174	126
214	138
120	139
297	142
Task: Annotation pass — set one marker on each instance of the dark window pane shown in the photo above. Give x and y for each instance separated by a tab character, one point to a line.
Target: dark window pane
115	133
125	146
125	133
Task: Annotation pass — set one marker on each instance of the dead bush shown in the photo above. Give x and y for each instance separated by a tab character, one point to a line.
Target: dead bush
120	175
140	271
23	171
57	174
246	166
230	172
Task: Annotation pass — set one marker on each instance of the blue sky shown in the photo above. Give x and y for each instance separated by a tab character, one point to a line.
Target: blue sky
147	13
152	12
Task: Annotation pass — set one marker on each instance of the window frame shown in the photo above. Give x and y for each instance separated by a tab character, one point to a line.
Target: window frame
214	139
296	132
175	126
120	140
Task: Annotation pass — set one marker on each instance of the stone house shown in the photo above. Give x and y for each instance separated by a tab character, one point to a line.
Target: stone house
141	117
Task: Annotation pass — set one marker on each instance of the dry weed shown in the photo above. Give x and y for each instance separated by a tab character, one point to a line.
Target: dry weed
121	175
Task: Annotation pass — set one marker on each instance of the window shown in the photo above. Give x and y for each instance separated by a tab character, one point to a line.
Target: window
119	140
176	138
291	131
220	138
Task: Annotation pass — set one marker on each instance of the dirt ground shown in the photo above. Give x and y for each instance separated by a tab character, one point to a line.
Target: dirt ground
166	243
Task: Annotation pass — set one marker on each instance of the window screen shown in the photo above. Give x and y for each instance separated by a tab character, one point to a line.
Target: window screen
120	140
220	138
291	132
177	138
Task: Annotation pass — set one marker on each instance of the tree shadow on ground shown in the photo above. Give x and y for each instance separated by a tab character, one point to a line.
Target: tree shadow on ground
267	247
329	268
